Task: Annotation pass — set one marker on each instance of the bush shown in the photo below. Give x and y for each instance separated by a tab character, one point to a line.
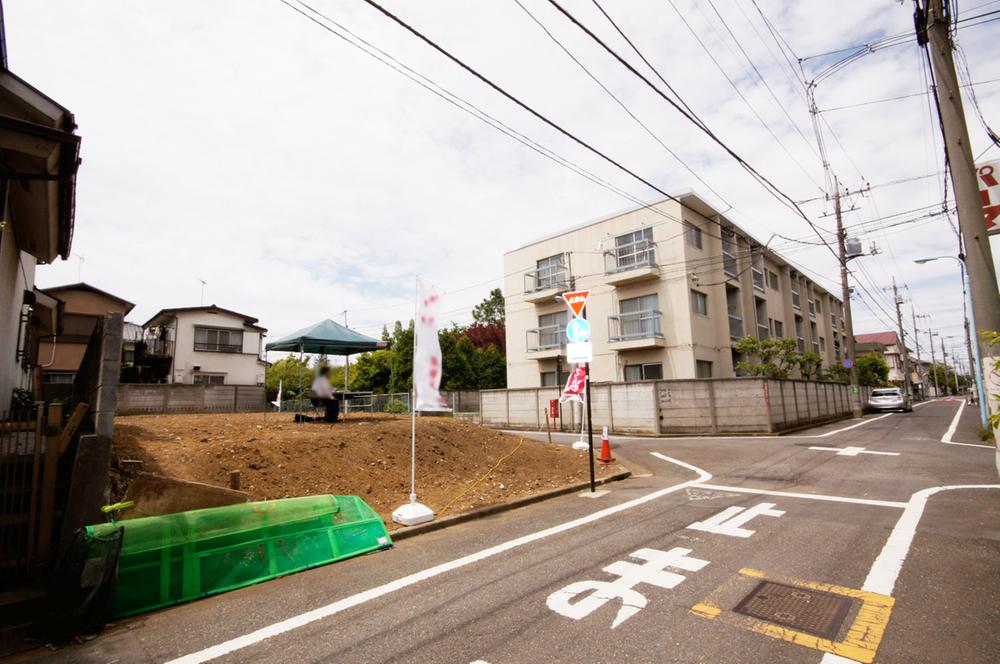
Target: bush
396	407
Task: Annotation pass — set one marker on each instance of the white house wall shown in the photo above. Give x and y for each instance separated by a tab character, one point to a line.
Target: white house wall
239	368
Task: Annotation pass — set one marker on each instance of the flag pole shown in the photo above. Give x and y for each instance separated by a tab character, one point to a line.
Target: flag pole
413	397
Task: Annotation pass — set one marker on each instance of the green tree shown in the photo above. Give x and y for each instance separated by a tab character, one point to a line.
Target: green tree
837	373
772	358
491	368
491	310
810	364
402	358
295	377
872	370
372	371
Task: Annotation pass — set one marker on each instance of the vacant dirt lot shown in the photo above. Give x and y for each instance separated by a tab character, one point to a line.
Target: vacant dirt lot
367	456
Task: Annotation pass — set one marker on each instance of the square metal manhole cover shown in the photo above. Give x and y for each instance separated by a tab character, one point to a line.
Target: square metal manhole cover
811	611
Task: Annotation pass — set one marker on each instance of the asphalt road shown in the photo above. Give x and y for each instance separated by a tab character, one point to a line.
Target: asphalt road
653	570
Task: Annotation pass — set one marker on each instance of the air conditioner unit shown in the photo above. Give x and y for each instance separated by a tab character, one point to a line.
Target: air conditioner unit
196	367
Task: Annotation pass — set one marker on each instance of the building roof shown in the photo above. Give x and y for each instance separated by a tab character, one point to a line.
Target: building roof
82	286
164	314
884	338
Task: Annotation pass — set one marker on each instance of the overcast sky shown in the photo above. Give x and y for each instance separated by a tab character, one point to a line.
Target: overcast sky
240	143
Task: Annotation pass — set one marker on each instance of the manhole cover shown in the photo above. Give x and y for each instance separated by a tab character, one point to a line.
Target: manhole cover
812	611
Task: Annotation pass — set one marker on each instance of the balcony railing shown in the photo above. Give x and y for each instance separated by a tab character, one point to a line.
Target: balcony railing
545	338
159	348
735	327
729	264
758	278
630	257
762	332
546	278
635	325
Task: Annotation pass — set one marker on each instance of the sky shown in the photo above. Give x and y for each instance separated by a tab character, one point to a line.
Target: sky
242	144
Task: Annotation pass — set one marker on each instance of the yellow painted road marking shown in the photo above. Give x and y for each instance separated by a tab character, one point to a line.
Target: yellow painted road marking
863	636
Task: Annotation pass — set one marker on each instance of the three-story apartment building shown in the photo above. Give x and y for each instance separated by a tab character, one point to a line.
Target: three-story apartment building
673	285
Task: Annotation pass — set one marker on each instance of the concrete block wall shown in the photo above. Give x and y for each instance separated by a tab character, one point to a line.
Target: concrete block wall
135	398
722	405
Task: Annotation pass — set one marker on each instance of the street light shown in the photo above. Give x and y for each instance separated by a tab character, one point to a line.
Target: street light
972	348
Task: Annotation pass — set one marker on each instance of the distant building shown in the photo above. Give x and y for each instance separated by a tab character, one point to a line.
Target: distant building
82	306
207	345
39	157
672	288
885	344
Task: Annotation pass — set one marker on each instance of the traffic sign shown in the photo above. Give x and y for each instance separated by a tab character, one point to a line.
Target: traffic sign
848	364
579	353
578	330
576	301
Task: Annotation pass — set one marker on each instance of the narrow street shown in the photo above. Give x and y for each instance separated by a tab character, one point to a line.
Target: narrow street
654	570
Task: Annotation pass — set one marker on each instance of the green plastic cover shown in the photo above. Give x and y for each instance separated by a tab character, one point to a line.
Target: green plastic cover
179	557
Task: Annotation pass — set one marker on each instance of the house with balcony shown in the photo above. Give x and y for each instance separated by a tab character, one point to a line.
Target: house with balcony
673	285
206	345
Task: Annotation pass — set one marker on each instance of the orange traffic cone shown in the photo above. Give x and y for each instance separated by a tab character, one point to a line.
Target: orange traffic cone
605	457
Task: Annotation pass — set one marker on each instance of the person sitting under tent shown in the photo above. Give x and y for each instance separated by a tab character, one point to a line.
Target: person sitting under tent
321	394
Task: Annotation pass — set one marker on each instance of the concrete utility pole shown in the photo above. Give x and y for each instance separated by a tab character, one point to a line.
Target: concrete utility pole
916	340
944	362
978	256
856	409
930	342
907	386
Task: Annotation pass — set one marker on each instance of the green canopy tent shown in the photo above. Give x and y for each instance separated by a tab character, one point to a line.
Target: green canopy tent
329	338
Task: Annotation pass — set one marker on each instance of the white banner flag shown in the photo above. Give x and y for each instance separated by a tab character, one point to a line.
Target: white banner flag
427	354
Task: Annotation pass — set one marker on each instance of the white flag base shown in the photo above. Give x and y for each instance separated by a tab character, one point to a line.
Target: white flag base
412	513
581	445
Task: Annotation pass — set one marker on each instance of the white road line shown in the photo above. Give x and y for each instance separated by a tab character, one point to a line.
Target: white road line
807	496
885	570
302	619
851	450
950	433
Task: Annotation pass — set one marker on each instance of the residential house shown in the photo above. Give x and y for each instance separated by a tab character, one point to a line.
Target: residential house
83	306
39	156
207	345
885	344
673	285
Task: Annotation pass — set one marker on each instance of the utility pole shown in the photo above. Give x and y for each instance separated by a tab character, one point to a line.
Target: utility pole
907	387
930	342
944	363
978	257
856	410
916	342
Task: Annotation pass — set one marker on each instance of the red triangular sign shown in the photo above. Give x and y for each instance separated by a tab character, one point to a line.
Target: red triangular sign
576	300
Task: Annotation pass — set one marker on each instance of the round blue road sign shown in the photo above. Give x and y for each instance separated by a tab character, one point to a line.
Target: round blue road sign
848	364
578	330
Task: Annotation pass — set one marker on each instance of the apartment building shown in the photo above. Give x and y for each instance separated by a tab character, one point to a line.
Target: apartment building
673	285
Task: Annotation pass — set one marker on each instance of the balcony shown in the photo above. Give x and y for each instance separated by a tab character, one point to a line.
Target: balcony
631	263
543	284
209	347
159	348
735	327
545	342
729	265
635	330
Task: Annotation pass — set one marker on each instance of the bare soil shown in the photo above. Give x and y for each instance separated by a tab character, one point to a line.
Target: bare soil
364	455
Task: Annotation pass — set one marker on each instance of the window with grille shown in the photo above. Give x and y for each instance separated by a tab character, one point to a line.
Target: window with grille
634	249
218	340
639	316
551	272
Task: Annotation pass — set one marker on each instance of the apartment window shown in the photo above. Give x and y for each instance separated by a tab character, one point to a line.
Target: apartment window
551	379
637	372
218	340
699	303
772	279
777	329
693	235
819	306
550	272
58	378
550	330
703	369
77	328
822	345
638	317
209	379
634	249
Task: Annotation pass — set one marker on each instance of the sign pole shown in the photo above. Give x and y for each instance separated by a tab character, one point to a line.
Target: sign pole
590	432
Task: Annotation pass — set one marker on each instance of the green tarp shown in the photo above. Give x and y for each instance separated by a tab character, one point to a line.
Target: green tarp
326	337
175	558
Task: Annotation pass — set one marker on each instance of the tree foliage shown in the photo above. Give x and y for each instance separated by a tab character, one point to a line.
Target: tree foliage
770	358
491	310
296	376
810	364
872	370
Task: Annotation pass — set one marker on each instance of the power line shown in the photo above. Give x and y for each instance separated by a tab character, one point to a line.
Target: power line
900	97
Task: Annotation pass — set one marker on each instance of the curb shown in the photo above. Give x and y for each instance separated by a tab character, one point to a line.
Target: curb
412	531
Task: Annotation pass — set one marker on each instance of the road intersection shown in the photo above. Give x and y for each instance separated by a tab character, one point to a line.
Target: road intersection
717	550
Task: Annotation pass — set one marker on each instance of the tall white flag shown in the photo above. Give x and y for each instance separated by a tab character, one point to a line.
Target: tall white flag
427	354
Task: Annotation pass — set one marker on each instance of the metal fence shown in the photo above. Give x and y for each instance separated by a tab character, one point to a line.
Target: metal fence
459	401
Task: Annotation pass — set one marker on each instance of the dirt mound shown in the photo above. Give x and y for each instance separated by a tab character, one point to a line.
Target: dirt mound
367	456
